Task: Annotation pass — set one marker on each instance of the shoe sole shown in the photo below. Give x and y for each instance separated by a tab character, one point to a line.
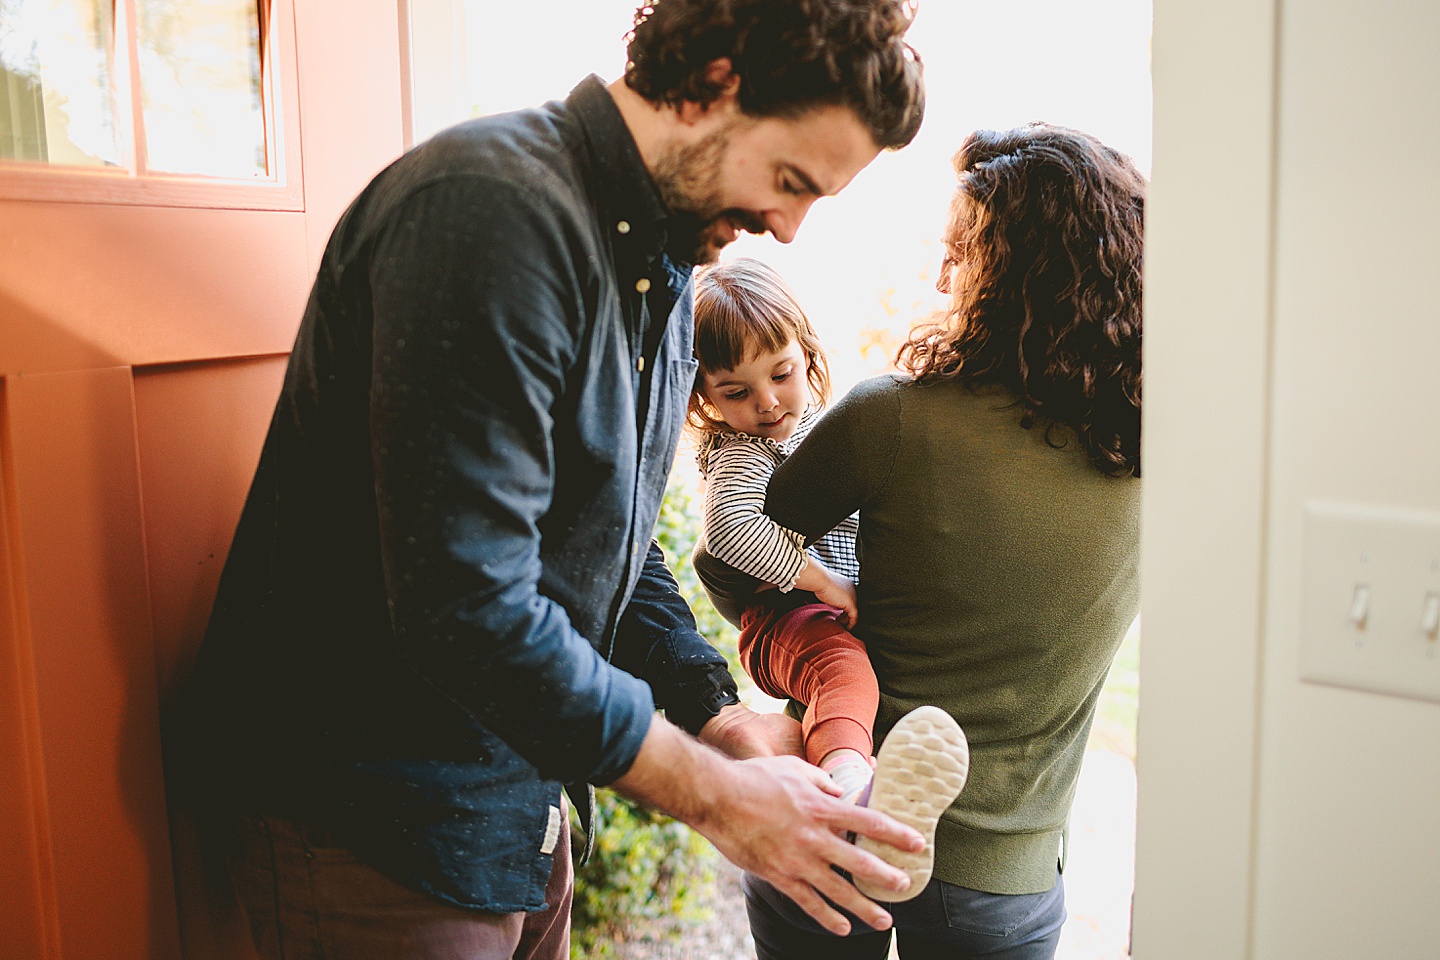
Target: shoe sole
919	771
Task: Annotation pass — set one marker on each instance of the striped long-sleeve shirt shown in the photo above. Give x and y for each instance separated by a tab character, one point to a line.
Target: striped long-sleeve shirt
736	468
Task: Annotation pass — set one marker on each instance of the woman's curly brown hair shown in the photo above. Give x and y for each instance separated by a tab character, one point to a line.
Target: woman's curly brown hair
1044	255
791	56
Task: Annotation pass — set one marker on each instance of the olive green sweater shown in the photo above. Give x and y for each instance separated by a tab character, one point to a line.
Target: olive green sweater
998	575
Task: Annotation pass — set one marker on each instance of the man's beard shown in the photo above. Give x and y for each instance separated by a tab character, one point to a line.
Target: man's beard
688	180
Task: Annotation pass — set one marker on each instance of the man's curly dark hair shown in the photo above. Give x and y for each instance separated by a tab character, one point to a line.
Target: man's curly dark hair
791	56
1044	255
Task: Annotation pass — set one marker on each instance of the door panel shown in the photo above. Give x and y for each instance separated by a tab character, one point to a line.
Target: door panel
196	478
78	551
143	335
85	285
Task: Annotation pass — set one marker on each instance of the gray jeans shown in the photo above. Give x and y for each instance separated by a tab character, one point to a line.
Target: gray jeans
946	922
308	899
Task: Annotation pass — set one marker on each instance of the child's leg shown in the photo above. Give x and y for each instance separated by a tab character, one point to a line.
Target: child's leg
804	654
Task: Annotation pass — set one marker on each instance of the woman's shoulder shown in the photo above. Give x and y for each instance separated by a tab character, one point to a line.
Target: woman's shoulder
951	394
886	384
883	389
897	387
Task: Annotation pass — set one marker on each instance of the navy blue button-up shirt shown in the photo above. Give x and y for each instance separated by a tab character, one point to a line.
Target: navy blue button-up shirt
443	599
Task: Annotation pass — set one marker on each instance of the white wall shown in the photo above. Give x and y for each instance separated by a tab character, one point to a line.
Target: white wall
1293	352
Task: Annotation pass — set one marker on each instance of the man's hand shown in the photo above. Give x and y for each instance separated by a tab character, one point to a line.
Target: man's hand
740	732
776	817
779	819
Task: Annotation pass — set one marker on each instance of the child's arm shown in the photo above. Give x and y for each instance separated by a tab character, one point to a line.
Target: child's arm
736	528
738	533
830	587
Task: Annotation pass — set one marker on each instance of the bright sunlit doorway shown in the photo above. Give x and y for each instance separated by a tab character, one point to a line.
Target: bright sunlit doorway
864	264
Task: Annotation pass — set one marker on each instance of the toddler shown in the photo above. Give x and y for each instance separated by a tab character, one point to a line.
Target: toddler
762	383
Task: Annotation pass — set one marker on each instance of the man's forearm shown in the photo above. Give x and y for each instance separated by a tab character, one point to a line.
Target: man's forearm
670	773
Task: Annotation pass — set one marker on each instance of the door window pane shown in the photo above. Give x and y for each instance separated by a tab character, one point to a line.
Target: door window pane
55	82
200	85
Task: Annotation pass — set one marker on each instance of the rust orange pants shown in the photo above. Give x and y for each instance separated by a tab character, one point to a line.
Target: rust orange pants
804	654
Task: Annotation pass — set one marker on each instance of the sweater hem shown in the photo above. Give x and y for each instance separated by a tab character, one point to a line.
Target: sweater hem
1004	863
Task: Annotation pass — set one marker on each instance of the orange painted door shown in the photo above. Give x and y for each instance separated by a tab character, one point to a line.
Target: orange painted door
144	324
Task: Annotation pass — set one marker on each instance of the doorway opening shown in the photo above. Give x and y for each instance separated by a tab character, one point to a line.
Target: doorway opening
865	267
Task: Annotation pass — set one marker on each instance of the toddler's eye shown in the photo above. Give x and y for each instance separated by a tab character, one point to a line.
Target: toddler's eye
781	377
738	395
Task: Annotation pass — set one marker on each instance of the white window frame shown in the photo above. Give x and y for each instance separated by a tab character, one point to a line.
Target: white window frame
131	183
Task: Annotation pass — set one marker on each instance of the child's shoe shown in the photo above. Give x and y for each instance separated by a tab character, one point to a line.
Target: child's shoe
919	771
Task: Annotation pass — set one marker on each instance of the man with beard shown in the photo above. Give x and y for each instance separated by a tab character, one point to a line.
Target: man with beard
443	600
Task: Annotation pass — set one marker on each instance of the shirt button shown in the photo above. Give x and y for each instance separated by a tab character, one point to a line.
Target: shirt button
622	227
640	365
643	285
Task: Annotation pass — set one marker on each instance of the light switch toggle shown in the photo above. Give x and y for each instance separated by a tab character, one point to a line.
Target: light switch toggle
1430	616
1370	599
1360	605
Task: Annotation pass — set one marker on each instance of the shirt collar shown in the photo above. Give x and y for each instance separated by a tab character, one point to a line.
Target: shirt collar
628	196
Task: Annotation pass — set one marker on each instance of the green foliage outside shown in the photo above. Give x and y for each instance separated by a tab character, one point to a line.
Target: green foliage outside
650	876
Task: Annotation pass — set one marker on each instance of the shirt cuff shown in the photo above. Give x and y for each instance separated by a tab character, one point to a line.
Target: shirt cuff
703	699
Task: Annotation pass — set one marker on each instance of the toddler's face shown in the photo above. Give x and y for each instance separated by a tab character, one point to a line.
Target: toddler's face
766	395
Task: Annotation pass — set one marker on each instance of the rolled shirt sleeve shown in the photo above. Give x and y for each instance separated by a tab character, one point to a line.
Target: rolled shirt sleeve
657	640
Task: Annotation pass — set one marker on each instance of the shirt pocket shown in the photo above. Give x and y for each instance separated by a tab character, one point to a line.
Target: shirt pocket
603	415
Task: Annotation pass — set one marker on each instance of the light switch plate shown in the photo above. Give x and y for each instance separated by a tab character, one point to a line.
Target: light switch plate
1367	573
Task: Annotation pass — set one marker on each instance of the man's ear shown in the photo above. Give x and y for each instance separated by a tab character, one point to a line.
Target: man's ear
720	73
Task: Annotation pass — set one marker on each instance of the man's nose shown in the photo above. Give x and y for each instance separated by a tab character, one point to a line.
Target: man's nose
784	221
